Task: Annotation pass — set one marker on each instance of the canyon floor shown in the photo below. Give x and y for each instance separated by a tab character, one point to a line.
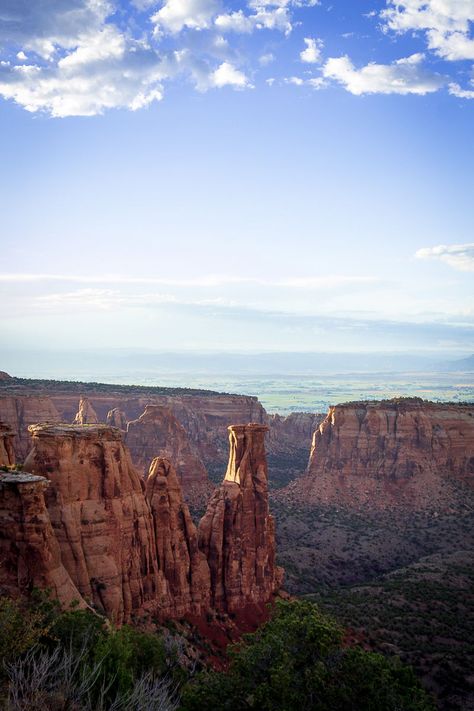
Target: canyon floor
404	585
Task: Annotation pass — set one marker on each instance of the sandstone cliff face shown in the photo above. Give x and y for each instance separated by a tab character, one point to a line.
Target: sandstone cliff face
237	532
100	517
7	452
84	523
157	432
86	415
29	551
293	432
184	567
21	412
397	453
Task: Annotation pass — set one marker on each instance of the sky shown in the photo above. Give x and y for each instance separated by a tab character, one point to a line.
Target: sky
283	175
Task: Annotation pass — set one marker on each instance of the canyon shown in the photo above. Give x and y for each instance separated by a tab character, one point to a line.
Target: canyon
81	521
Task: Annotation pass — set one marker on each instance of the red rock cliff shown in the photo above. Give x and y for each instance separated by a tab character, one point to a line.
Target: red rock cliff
29	552
157	432
237	532
21	412
100	516
401	452
184	566
86	415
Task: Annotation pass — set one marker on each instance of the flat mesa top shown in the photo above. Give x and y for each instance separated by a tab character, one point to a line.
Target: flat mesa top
253	426
67	430
20	478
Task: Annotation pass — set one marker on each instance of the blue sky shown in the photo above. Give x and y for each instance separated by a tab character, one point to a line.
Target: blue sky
205	175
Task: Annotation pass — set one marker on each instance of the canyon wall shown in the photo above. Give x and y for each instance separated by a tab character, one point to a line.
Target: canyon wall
404	452
19	412
30	555
157	433
84	523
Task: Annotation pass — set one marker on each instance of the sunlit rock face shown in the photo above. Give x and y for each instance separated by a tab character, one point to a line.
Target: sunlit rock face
237	532
30	555
117	418
7	452
100	517
404	452
86	415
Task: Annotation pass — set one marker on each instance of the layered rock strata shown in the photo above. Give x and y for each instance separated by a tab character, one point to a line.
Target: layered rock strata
100	517
85	524
21	412
29	551
404	452
157	432
237	532
7	452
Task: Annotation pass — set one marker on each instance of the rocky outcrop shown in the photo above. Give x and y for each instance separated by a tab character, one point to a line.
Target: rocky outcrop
29	552
21	412
7	452
404	452
237	532
292	433
157	432
184	567
84	523
86	415
100	517
117	418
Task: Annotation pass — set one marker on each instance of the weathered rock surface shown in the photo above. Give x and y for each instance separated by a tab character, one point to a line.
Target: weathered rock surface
404	452
184	566
7	452
21	412
29	551
86	415
293	432
157	433
237	532
100	516
117	418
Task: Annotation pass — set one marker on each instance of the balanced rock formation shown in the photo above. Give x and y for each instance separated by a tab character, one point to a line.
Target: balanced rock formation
157	432
86	415
184	566
100	516
403	452
237	532
7	452
117	418
29	552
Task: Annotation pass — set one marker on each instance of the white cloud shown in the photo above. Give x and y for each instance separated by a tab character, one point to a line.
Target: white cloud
42	27
312	53
106	71
446	24
405	76
227	75
264	19
21	56
458	256
178	14
456	90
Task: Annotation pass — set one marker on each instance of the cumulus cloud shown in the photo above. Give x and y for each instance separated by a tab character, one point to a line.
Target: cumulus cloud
177	14
227	75
264	19
404	76
458	256
312	53
446	24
